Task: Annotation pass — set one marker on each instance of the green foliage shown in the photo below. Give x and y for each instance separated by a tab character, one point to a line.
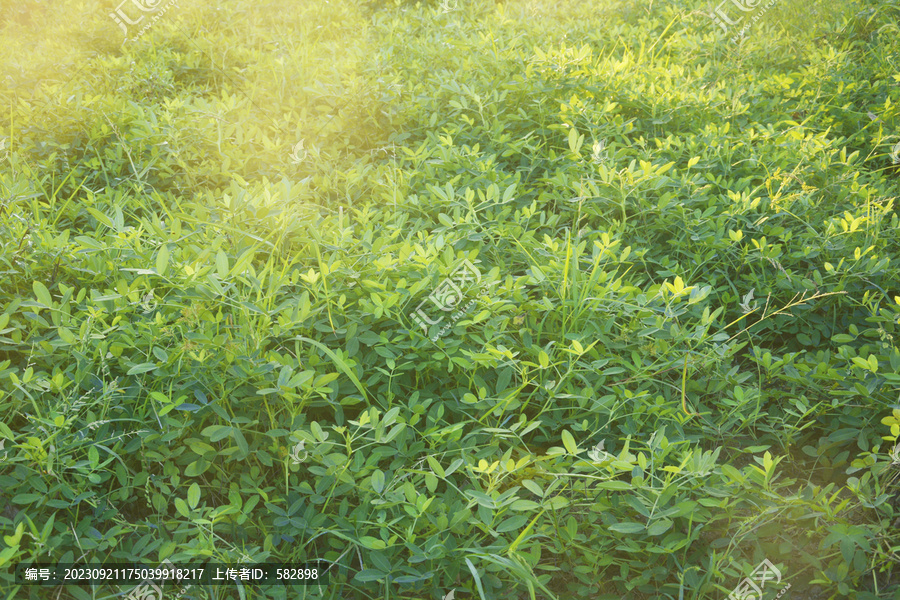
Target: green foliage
680	358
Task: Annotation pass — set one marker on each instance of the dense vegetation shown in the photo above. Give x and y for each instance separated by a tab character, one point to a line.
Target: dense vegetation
676	353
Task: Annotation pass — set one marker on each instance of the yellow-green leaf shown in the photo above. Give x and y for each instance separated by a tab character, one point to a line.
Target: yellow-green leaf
372	543
193	495
436	467
162	259
569	442
222	264
378	480
873	363
659	527
42	293
182	507
860	362
66	335
544	359
664	168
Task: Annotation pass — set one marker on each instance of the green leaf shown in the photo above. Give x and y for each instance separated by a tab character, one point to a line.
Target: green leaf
627	527
372	543
573	140
141	368
7	554
380	561
558	502
222	264
66	335
182	507
198	467
481	498
436	466
100	217
755	449
860	362
193	495
217	432
214	284
509	193
614	485
367	575
569	442
378	480
572	527
160	397
524	505
26	498
533	487
317	431
659	527
89	242
477	577
241	442
732	473
42	293
162	259
341	365
544	359
512	523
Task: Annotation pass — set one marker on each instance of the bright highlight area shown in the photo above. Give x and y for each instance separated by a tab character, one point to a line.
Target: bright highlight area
446	300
